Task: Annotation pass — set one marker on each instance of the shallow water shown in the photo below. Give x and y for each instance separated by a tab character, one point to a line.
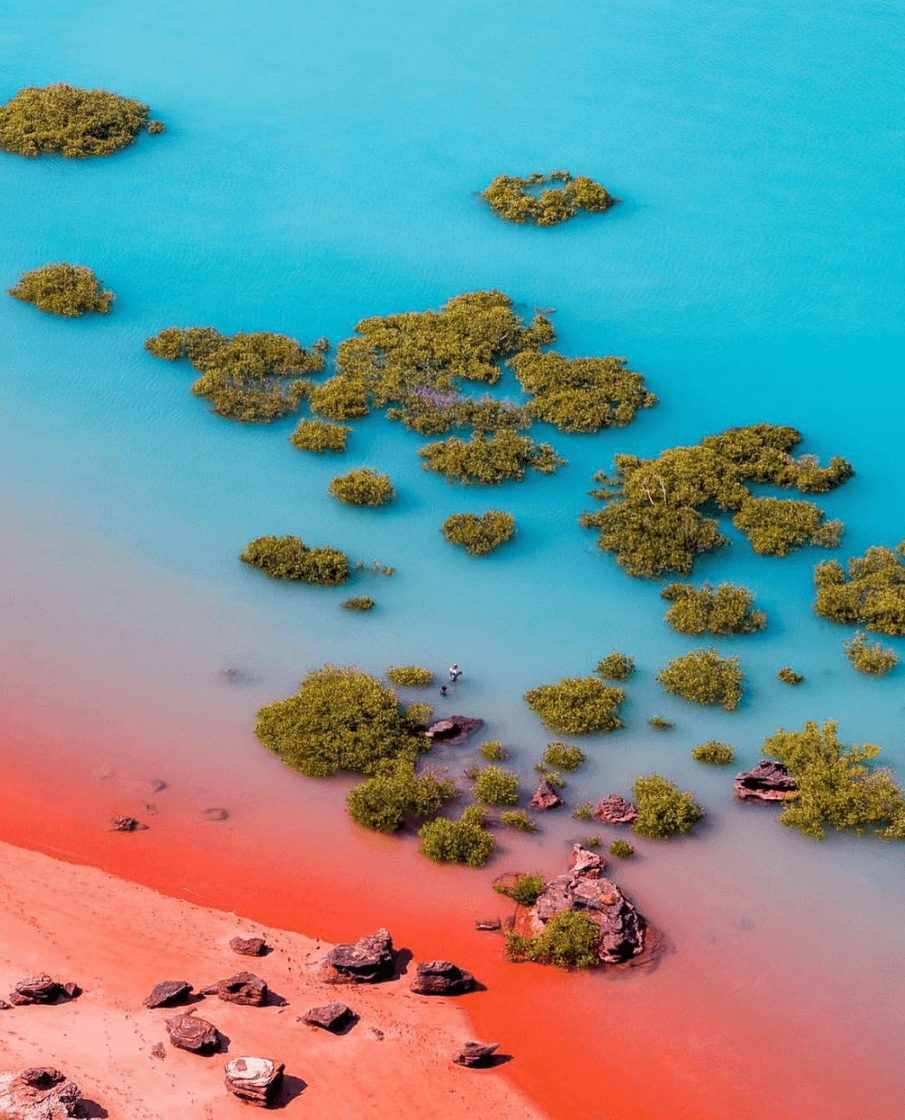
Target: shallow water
319	167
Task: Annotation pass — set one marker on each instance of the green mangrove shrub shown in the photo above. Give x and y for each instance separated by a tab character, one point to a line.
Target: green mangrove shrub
71	122
523	889
517	819
714	753
704	677
290	558
615	666
358	603
726	609
489	460
479	534
590	842
569	940
560	756
410	676
778	526
869	593
342	397
362	486
395	792
658	723
495	786
788	675
837	788
462	841
319	436
577	706
510	197
431	412
493	751
341	720
622	849
63	289
584	812
869	657
663	809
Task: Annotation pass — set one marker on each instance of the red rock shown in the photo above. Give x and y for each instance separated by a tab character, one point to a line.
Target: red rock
614	809
454	730
621	927
370	960
332	1017
768	781
476	1054
190	1033
40	989
248	946
256	1080
586	863
244	988
39	1093
168	993
126	824
441	978
545	796
488	925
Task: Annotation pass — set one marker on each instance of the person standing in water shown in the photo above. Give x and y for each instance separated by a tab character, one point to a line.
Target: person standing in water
454	672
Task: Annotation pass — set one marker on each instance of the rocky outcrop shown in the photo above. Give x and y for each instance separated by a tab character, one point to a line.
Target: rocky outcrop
248	946
255	1080
476	1054
768	781
370	960
39	1093
585	862
189	1033
41	989
545	796
334	1017
454	730
244	988
126	824
441	978
614	809
168	993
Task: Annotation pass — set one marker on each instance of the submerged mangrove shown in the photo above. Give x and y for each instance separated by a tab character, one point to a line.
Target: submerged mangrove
396	793
319	436
869	657
479	534
726	609
704	677
663	809
615	666
63	289
714	753
870	593
463	841
510	197
290	558
577	706
362	486
489	460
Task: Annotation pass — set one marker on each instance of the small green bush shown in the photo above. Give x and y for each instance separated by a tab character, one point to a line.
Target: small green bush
869	657
509	196
383	801
714	753
524	889
479	535
489	460
663	810
290	558
615	667
72	122
725	610
462	841
410	676
495	786
318	435
362	486
590	842
63	289
493	751
568	940
622	849
517	819
658	723
584	812
358	603
554	778
577	706
704	677
559	756
788	675
870	593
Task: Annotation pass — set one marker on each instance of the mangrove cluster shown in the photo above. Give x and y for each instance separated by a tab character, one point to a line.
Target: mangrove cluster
479	534
663	809
569	940
615	666
704	677
577	706
290	558
714	753
396	794
489	459
870	593
319	436
726	609
510	197
869	657
463	841
63	289
362	486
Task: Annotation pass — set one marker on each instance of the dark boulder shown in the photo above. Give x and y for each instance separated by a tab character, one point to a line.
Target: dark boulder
369	960
454	730
41	989
39	1093
244	988
248	946
168	993
476	1054
614	809
545	796
126	824
334	1017
768	781
255	1080
189	1033
441	978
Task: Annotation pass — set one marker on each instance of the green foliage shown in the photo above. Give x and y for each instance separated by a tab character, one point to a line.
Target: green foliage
580	394
552	776
290	558
713	753
726	610
523	889
341	719
777	526
704	677
63	289
622	849
836	787
384	801
584	812
462	841
362	486
341	398
517	819
76	123
479	535
871	593
509	197
493	751
410	676
358	603
590	842
870	658
658	723
489	460
788	675
577	706
495	786
663	810
657	515
615	667
431	413
568	940
318	435
250	377
559	756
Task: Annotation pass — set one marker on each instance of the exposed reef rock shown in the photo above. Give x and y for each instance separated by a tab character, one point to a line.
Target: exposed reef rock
614	809
585	862
370	960
454	730
41	989
39	1093
545	797
244	988
333	1017
255	1080
476	1054
188	1033
441	978
248	946
126	824
768	781
168	993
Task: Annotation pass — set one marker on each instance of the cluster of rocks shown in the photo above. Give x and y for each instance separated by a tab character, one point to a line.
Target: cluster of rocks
584	890
42	989
768	781
39	1093
454	730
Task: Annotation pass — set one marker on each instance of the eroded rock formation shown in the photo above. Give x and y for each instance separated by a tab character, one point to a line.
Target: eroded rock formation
168	993
614	809
371	959
41	989
248	946
332	1017
244	987
453	730
545	796
476	1054
768	781
256	1080
39	1093
441	978
190	1033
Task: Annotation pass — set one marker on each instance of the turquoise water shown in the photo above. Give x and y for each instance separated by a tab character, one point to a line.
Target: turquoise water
319	166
